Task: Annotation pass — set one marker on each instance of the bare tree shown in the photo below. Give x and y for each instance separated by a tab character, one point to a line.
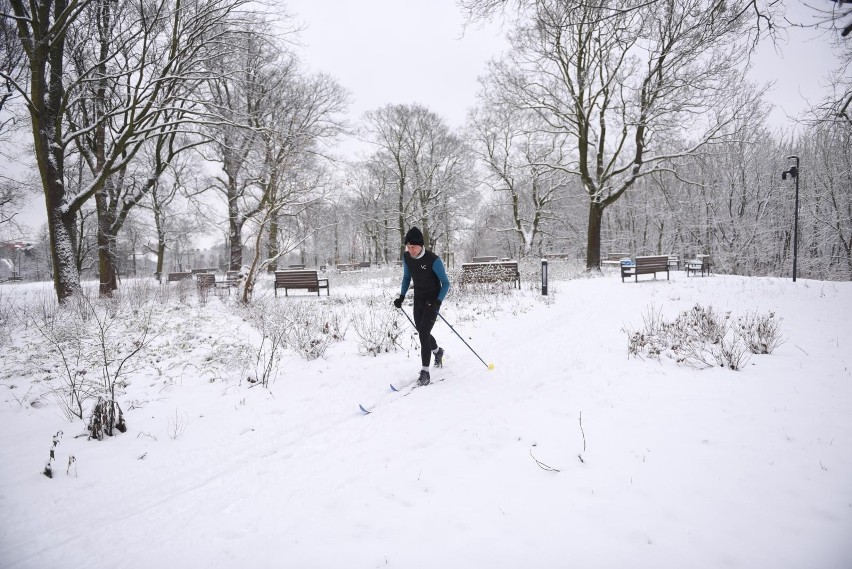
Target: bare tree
763	15
388	127
11	199
836	17
11	70
133	63
429	166
371	202
515	152
302	113
241	89
633	85
827	202
835	22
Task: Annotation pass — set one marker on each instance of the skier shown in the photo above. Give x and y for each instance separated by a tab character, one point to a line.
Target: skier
430	287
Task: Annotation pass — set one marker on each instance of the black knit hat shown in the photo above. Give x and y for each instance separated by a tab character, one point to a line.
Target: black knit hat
414	236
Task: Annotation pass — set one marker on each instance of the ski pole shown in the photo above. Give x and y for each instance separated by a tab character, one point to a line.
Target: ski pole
409	319
489	366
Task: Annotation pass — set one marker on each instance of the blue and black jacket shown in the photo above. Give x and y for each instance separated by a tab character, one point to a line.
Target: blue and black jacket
429	275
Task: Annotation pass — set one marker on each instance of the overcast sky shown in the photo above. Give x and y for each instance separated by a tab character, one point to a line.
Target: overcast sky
398	51
417	51
407	51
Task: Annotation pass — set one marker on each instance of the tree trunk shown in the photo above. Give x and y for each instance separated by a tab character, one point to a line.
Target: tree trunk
60	223
47	93
161	237
272	246
235	237
66	277
593	240
235	229
106	246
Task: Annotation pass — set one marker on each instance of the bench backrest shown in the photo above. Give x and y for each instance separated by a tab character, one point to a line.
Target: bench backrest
172	277
653	261
205	280
617	256
703	259
296	278
493	271
490	265
484	259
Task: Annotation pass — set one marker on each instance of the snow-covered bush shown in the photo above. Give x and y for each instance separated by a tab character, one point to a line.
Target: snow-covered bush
7	312
91	349
377	325
312	328
760	332
306	327
701	338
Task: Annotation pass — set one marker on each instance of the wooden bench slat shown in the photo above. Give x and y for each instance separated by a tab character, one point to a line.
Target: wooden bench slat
300	279
491	272
649	265
614	258
174	277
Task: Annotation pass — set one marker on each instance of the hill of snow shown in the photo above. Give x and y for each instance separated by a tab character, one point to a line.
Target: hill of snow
568	454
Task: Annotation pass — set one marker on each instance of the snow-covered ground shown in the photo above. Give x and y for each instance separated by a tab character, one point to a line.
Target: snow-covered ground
568	454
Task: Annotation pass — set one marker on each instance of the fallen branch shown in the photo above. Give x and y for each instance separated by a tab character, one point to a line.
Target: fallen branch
542	465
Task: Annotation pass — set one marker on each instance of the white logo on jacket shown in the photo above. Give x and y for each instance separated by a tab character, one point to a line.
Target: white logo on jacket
423	267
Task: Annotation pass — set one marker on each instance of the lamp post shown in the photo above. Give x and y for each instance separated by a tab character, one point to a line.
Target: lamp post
794	173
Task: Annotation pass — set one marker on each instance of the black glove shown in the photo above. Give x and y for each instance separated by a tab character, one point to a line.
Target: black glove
398	301
437	305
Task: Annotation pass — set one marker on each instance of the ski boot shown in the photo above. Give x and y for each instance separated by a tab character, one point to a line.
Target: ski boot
439	358
424	378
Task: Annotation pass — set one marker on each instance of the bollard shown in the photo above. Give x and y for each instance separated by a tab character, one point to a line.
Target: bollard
544	277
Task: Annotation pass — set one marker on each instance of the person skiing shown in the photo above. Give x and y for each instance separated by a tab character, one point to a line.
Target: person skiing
430	288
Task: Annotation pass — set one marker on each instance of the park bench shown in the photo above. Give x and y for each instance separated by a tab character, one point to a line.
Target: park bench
207	281
491	272
674	262
299	279
650	265
699	265
204	282
614	258
176	277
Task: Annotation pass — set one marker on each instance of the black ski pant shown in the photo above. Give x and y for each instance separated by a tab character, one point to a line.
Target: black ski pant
424	319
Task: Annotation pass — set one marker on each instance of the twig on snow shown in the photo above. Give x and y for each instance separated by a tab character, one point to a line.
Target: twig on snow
542	465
